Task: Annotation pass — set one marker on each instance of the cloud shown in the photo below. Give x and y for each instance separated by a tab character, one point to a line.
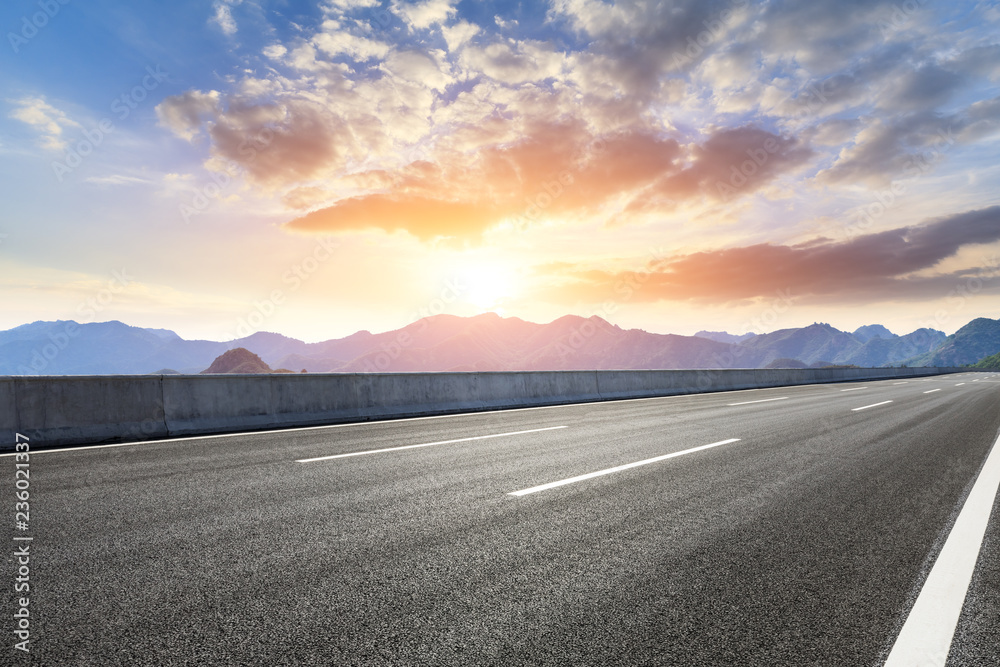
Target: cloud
45	118
116	179
422	217
824	36
458	34
305	197
184	114
422	15
981	120
348	5
555	171
274	143
223	16
335	41
873	267
909	145
925	87
275	51
416	67
514	64
640	108
280	143
733	162
642	43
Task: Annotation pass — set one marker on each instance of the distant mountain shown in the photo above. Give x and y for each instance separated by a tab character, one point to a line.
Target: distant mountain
816	342
866	333
491	343
68	348
724	337
893	351
486	342
991	362
978	339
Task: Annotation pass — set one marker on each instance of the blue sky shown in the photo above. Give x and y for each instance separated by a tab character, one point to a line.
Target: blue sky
319	168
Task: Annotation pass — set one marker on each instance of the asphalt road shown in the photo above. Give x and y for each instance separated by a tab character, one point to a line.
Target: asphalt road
804	542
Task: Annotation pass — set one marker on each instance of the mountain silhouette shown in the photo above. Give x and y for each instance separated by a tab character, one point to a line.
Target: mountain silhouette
485	342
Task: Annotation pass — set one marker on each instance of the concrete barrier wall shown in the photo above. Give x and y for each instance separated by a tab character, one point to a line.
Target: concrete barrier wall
69	410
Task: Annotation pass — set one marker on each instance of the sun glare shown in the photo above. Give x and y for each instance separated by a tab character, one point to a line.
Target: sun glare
487	285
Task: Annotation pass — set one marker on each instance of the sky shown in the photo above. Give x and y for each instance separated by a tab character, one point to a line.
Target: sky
224	167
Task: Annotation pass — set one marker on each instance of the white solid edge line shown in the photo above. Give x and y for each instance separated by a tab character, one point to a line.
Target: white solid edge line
425	444
854	389
931	391
873	405
608	471
763	400
930	626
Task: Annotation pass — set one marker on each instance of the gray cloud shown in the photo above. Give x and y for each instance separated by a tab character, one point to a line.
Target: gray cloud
865	269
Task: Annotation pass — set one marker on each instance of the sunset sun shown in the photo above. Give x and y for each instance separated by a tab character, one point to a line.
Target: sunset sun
488	285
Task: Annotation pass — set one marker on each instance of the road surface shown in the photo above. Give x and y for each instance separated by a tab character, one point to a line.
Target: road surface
781	526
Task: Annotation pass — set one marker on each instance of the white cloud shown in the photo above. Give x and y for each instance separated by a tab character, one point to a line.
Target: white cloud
347	5
45	118
116	179
275	51
334	41
504	25
458	34
524	61
422	15
418	68
223	16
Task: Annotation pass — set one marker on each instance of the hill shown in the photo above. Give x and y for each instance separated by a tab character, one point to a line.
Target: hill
991	362
978	339
238	360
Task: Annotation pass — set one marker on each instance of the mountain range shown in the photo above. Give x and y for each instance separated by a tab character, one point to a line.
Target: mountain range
485	342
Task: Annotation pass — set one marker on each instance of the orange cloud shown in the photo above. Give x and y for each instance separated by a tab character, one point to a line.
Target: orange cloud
558	170
424	218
